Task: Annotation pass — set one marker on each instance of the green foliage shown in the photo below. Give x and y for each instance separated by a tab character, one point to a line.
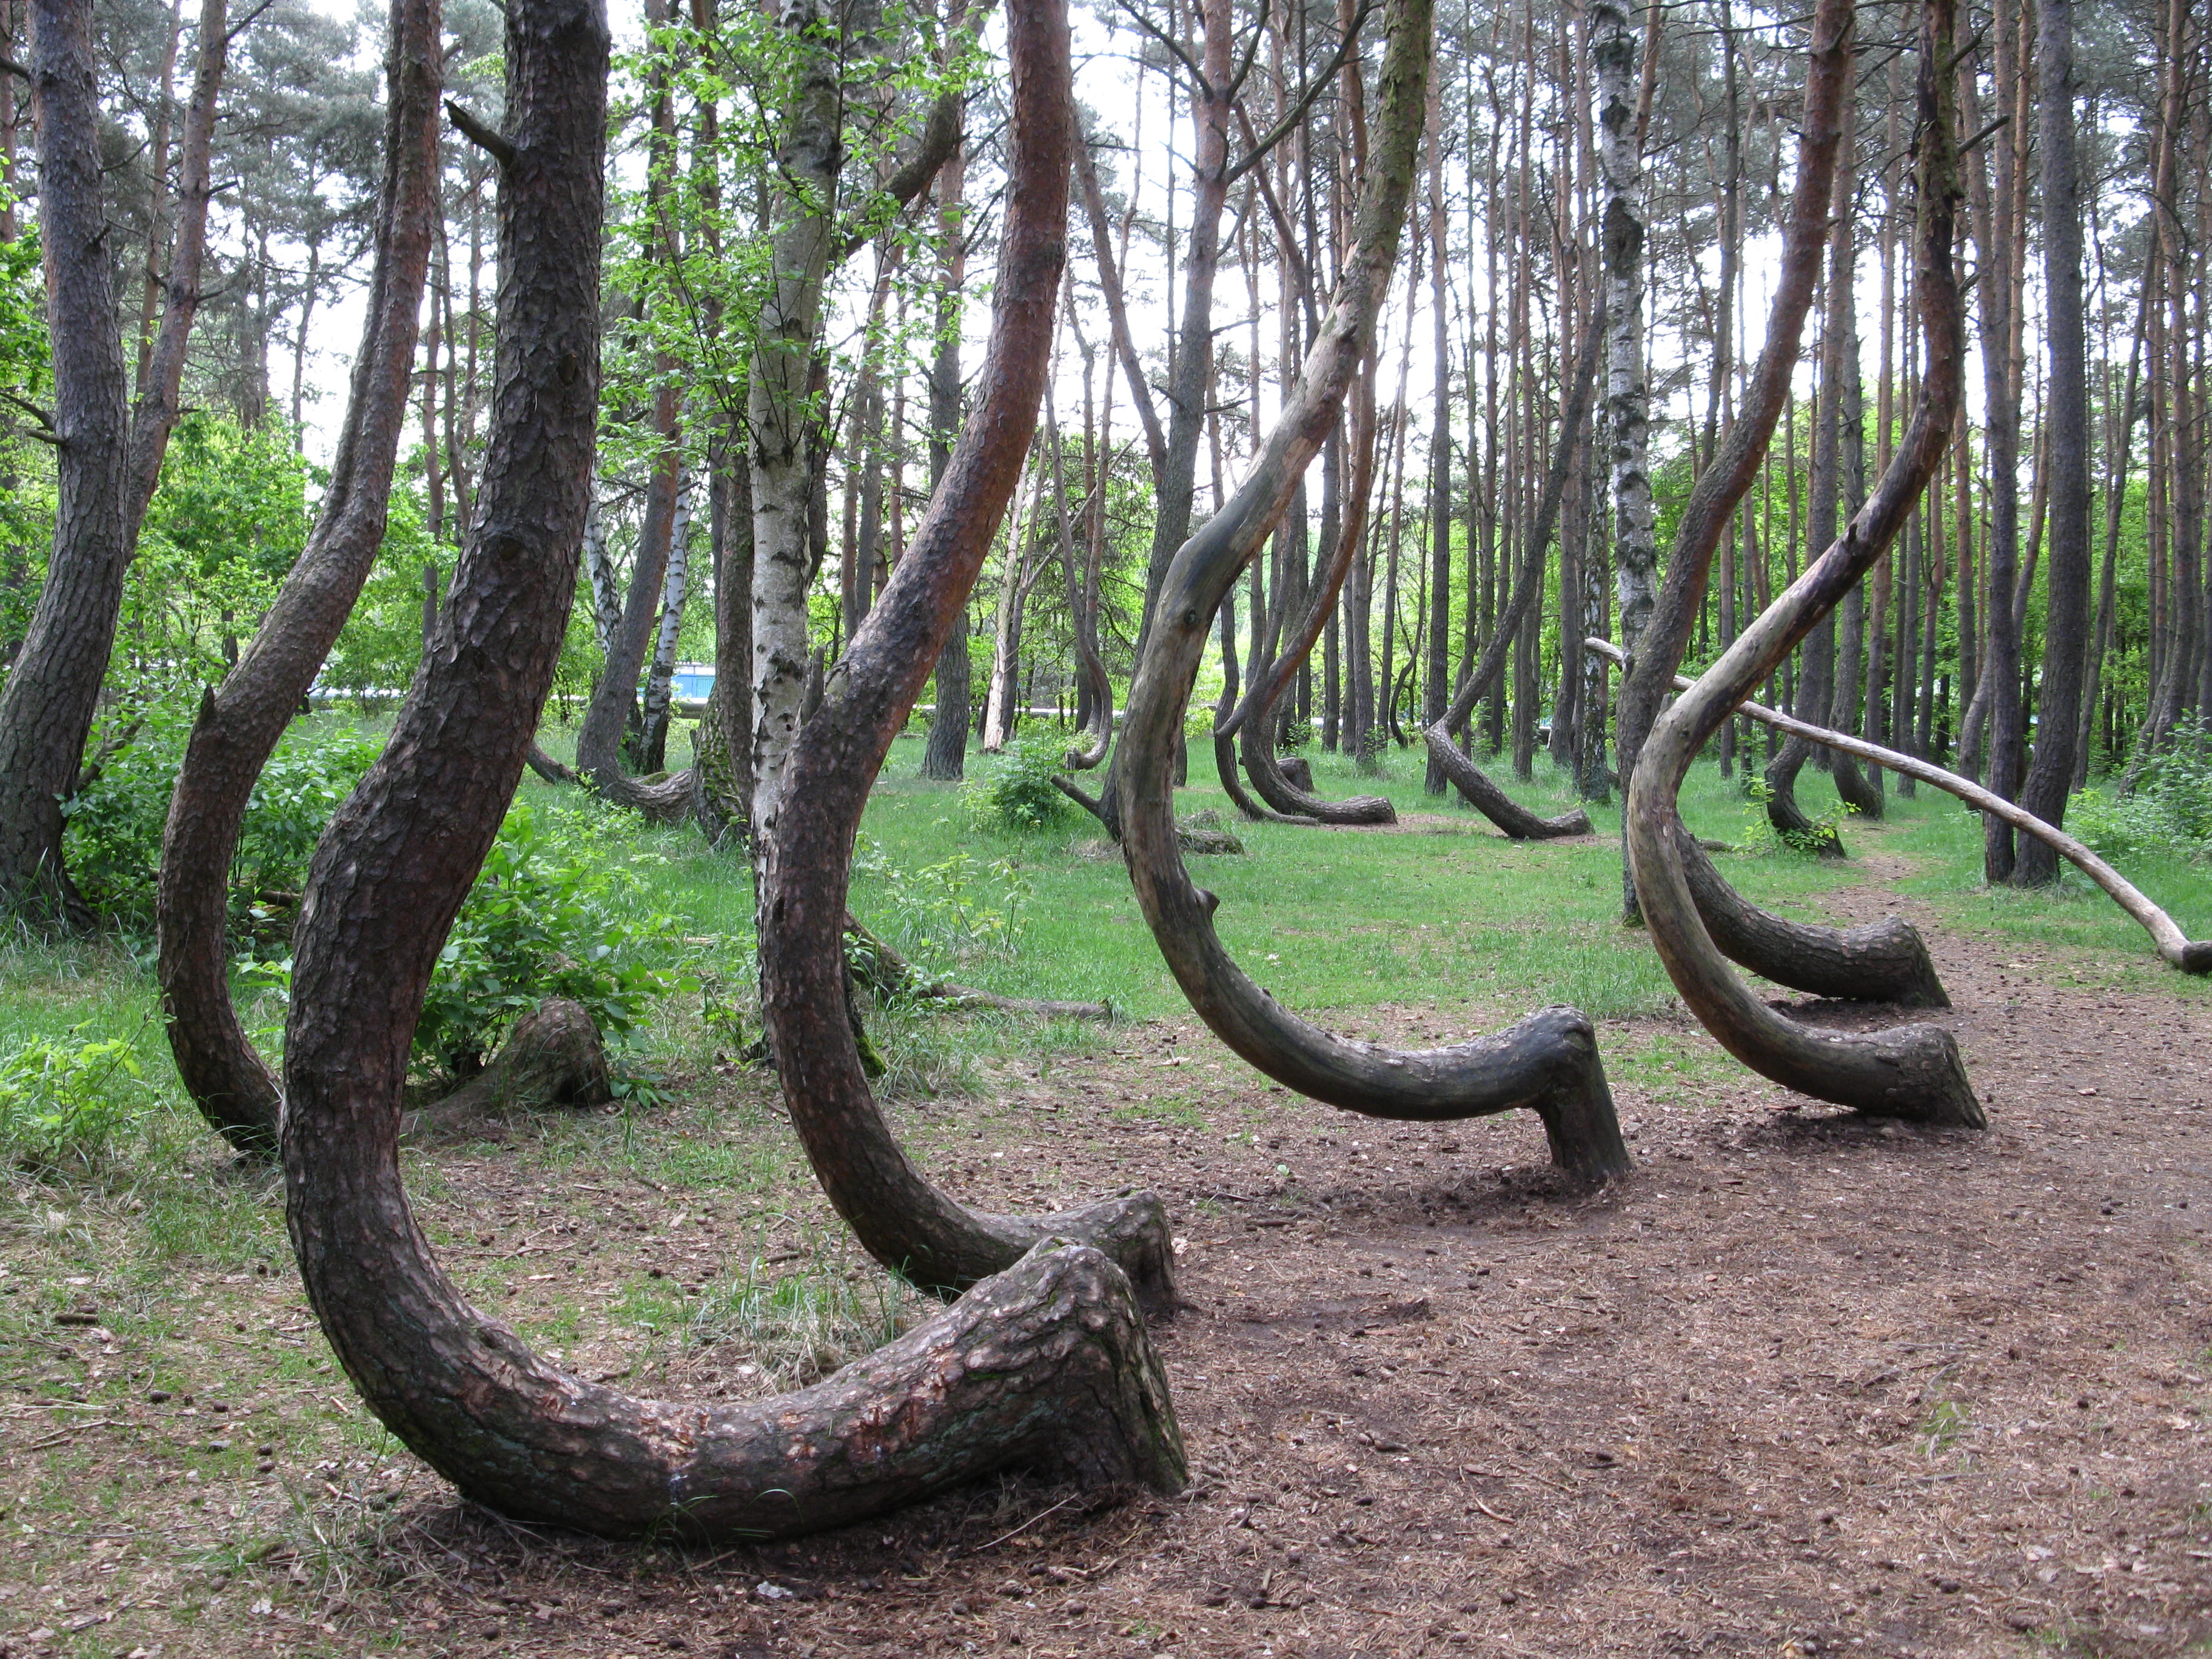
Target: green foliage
1295	735
546	918
946	914
66	1102
2169	808
114	845
1759	835
1013	792
228	521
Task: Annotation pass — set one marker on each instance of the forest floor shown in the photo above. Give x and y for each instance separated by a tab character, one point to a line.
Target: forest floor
1802	1384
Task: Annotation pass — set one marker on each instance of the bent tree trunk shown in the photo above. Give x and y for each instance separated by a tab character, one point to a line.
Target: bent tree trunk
1048	1365
2176	947
53	684
805	859
1475	786
1658	651
1884	961
1912	1071
1547	1063
240	721
1292	799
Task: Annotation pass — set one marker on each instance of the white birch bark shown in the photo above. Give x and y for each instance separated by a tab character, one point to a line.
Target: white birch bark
782	419
1615	49
659	682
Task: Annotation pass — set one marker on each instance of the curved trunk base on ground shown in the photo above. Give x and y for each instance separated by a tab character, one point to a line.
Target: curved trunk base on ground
1547	1063
1884	961
1783	812
1275	786
2176	947
1911	1072
1047	1365
239	725
553	1058
1233	784
1476	789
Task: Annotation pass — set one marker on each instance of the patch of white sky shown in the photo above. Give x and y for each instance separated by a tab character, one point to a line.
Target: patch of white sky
1142	114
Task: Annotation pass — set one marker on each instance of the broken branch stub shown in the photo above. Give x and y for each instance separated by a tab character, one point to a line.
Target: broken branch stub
1914	1071
900	1217
1548	1062
1047	1365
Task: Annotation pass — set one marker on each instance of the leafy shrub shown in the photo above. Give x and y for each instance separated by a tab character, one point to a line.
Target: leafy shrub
64	1101
1759	835
2169	810
1296	734
115	825
1014	791
545	921
944	914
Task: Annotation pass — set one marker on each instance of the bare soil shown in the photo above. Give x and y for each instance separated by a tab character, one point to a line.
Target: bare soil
1802	1384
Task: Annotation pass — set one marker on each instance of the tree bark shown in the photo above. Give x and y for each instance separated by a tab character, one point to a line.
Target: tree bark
240	721
1912	1071
1548	1062
944	754
1070	1382
553	1057
805	862
2066	614
53	685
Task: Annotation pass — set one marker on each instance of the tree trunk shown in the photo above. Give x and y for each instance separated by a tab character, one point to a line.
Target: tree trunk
1548	1062
1721	485
1914	1071
46	706
553	1057
1071	1383
240	721
805	862
2066	614
661	676
944	755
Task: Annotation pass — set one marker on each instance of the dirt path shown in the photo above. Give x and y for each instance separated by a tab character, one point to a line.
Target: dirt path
1801	1384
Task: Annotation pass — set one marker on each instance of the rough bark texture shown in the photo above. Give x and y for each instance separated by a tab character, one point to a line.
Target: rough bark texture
53	684
1911	1071
1048	1365
805	863
1547	1063
2066	622
240	721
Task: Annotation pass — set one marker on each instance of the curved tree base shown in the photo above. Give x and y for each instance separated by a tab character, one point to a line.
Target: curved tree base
1860	790
1233	784
1276	788
1501	809
1884	961
553	1058
666	801
1788	817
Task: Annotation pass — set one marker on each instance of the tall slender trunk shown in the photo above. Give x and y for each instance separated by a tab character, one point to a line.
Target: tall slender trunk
945	755
46	706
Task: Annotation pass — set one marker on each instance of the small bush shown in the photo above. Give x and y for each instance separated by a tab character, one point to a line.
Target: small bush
2169	810
66	1102
1013	791
115	825
543	921
944	914
1295	735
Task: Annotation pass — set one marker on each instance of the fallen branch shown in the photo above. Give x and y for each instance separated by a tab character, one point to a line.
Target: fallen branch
2180	950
